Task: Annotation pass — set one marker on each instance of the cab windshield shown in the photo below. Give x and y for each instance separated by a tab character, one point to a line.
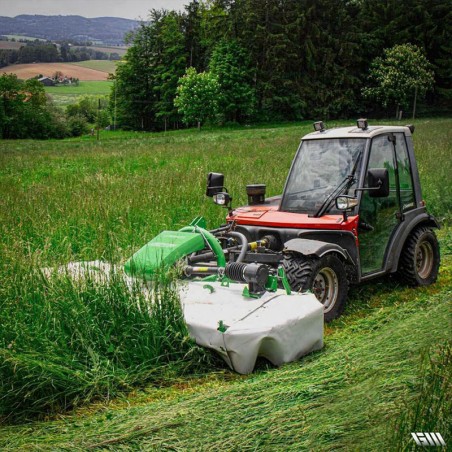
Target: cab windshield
321	167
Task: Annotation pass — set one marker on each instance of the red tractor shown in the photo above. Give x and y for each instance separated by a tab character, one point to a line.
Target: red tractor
351	210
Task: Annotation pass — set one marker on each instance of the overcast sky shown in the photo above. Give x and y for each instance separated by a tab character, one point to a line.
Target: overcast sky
131	9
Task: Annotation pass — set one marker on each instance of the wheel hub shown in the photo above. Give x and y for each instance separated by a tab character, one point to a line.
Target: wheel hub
325	287
424	259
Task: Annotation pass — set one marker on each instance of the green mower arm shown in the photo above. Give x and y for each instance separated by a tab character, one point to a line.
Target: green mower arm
168	247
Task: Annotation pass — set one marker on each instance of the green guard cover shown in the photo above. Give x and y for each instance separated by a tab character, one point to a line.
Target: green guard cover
163	251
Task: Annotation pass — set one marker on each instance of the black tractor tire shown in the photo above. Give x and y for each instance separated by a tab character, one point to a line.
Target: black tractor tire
420	258
325	277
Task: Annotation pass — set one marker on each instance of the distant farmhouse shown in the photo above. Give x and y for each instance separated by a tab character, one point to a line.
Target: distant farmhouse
46	81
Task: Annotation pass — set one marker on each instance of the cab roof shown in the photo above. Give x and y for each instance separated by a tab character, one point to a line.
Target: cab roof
355	132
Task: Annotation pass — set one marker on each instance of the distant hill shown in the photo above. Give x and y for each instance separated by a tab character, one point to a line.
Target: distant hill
106	30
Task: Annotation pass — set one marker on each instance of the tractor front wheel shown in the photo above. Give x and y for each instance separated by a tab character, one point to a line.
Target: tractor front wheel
325	277
420	258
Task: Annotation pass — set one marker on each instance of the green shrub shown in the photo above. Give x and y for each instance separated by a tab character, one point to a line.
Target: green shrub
77	125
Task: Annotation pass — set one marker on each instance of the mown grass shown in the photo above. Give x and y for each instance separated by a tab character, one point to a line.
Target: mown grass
350	396
76	200
121	51
98	65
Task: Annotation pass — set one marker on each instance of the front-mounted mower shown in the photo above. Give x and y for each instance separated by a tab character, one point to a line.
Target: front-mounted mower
351	210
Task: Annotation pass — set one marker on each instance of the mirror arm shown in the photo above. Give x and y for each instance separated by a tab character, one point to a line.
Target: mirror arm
369	188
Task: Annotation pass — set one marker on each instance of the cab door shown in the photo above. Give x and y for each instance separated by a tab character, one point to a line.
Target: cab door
380	217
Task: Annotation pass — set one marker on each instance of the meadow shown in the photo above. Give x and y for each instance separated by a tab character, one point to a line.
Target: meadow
24	38
10	45
70	94
136	380
120	50
98	65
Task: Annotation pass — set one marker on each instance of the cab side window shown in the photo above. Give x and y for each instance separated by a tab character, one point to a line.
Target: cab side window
405	177
377	216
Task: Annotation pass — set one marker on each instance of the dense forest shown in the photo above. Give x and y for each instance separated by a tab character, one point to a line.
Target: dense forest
271	60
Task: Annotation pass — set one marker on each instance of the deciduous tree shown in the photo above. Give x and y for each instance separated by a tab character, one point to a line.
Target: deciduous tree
399	76
197	97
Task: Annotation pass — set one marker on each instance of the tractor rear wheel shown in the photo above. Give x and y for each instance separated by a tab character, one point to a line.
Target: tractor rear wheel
325	277
420	258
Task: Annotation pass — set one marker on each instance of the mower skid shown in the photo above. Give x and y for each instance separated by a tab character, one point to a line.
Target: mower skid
277	326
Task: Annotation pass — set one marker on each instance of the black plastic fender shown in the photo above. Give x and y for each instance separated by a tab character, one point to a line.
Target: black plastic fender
398	241
317	248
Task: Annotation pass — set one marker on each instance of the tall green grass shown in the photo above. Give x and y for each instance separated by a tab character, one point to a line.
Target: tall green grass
62	344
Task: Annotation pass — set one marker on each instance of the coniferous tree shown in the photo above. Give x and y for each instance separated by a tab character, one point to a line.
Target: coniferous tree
169	66
230	63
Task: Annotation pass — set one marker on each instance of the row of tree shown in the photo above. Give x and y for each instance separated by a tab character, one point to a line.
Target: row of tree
47	52
281	60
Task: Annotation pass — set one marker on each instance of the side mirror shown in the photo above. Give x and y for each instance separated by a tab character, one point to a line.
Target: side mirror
215	184
378	182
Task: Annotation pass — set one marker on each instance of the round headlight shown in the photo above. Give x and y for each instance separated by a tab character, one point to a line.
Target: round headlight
342	203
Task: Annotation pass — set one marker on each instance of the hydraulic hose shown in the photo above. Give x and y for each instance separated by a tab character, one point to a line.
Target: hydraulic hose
244	243
211	240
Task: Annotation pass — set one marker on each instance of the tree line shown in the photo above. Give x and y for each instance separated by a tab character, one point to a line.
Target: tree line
47	52
270	60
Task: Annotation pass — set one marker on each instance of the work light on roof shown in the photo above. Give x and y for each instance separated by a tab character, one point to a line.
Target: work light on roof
319	126
362	124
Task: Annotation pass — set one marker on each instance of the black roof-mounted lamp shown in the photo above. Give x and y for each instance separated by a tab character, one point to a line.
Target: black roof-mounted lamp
362	124
319	126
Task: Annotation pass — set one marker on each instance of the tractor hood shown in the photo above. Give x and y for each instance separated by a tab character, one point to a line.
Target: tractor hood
270	216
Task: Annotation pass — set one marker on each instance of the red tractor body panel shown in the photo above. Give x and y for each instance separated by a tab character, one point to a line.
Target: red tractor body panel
270	216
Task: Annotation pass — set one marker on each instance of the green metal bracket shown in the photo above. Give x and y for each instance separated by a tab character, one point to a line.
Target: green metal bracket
246	293
225	281
200	222
222	328
210	278
272	284
285	282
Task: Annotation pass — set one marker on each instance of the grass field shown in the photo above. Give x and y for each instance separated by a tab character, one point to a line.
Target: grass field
98	65
26	38
66	95
93	75
26	71
10	45
85	87
121	51
80	199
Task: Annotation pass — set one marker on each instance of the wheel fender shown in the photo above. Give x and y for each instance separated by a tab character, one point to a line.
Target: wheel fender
317	248
398	242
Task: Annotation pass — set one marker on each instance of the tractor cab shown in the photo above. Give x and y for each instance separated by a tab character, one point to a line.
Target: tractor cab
353	197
